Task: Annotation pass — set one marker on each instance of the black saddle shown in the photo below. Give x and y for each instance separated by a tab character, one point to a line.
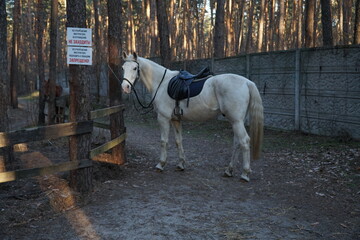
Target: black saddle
186	85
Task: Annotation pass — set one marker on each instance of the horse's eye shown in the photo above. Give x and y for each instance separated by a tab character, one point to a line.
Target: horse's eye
135	68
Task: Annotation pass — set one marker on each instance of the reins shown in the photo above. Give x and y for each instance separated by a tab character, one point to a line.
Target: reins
133	87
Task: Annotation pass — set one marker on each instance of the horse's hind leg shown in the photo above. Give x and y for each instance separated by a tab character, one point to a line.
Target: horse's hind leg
235	156
178	140
241	141
164	124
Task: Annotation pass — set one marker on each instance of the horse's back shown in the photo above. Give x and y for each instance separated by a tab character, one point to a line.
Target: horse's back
230	86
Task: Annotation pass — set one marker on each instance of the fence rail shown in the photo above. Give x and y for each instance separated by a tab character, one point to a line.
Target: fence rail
44	133
54	132
114	142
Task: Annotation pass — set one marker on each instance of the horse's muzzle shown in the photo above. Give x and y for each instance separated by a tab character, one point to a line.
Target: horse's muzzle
126	86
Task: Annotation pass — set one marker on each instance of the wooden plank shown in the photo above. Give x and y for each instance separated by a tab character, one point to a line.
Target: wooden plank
42	171
106	111
44	133
101	125
109	145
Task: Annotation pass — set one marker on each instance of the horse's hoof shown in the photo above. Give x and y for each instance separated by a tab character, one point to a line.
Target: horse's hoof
180	167
228	173
245	178
159	167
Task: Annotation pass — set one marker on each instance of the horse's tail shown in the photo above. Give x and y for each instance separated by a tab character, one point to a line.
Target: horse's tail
256	112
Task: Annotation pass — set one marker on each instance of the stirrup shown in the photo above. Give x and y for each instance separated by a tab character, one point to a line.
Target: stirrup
178	111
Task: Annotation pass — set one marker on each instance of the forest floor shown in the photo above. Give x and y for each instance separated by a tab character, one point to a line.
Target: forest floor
304	187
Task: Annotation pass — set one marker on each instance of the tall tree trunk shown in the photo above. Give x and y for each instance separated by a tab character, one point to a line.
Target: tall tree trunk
40	25
154	49
80	179
97	61
131	29
201	50
6	156
261	26
281	36
14	75
52	63
357	23
219	30
249	39
340	34
309	22
300	28
114	52
229	6
347	10
163	33
172	27
239	24
270	31
326	23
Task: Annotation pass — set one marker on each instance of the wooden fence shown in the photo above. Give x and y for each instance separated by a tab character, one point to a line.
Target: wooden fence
54	132
114	142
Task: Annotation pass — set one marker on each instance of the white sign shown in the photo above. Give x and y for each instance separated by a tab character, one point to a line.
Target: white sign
79	37
79	55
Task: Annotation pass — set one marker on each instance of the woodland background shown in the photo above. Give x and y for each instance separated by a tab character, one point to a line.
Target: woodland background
175	30
190	29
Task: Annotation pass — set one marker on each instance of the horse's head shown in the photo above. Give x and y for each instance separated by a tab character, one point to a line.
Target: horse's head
131	72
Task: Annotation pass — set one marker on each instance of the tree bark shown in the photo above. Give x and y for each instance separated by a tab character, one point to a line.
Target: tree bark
52	63
115	49
309	22
97	48
40	25
219	30
357	23
347	10
163	28
14	75
6	154
239	24
281	36
261	26
326	23
80	179
249	39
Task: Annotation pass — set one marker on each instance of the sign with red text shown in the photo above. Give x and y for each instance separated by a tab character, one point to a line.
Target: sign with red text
79	41
79	37
79	55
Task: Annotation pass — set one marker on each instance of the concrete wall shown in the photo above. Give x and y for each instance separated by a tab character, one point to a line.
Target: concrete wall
311	90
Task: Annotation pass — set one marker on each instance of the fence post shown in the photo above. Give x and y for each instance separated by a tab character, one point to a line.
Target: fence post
297	88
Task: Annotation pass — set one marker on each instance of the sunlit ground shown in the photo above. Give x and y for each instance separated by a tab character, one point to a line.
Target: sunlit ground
61	196
30	96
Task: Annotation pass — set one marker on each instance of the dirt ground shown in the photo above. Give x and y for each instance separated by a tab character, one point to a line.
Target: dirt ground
304	187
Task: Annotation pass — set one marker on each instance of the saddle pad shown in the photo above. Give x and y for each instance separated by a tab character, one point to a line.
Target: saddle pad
183	86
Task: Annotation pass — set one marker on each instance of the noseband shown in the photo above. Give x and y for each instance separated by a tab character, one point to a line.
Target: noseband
137	76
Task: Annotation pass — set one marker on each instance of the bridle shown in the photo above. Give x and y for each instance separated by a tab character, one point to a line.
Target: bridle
136	79
137	76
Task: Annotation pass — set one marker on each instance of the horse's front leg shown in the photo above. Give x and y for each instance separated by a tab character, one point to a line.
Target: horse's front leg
164	124
178	140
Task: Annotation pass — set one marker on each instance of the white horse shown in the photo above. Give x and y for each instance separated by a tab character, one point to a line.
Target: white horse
228	94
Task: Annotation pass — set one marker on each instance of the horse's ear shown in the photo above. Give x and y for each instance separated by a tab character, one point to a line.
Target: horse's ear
135	56
124	55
